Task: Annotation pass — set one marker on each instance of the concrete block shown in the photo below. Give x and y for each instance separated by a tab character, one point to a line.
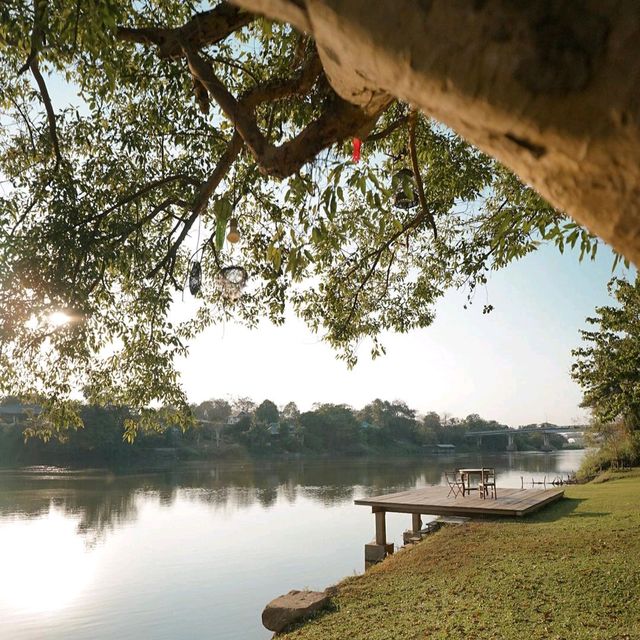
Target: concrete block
377	552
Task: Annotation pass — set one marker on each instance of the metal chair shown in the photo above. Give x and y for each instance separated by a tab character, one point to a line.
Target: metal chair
487	483
456	486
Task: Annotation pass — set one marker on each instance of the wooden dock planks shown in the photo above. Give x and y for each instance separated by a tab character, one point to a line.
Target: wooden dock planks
434	501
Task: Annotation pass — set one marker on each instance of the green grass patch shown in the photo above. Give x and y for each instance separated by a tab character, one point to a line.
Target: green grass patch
570	572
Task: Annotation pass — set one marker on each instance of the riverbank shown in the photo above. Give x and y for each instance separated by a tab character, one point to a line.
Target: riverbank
139	458
572	572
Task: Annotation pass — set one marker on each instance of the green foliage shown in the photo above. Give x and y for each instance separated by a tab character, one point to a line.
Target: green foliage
330	427
608	368
617	447
99	440
106	227
267	412
216	410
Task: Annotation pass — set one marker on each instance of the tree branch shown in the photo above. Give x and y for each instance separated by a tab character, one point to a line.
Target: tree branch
338	121
299	84
26	120
224	164
206	28
39	18
378	251
119	237
51	116
426	212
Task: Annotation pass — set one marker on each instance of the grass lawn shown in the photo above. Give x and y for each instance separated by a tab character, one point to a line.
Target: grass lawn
571	571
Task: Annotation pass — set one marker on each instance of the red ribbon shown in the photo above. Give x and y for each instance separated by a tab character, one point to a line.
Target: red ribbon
356	149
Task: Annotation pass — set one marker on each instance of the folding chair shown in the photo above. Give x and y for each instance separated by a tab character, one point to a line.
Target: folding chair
456	486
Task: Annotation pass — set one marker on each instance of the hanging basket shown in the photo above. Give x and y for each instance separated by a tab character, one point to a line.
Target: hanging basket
402	199
231	281
195	278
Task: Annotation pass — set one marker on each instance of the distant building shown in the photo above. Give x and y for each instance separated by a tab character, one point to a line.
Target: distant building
273	428
440	448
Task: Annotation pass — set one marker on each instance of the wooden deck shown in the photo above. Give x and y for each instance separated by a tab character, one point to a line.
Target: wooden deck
434	501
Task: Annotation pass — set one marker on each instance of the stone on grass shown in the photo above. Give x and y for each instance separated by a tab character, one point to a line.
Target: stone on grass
293	607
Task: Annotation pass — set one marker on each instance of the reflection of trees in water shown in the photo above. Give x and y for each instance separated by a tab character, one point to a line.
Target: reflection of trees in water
105	501
101	503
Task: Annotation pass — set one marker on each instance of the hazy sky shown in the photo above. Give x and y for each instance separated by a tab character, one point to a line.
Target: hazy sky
511	365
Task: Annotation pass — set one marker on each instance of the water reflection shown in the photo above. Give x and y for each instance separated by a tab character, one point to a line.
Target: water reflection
44	562
99	501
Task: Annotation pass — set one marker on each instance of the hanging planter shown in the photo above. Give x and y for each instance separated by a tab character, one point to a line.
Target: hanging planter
234	234
195	278
231	281
406	196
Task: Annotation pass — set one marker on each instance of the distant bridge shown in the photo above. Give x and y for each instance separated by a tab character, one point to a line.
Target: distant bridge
12	413
512	433
19	409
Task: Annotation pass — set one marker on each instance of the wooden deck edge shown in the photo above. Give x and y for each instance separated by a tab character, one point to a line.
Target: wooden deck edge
552	498
434	510
459	509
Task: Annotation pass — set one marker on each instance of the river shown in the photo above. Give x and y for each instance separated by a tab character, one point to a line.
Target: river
195	552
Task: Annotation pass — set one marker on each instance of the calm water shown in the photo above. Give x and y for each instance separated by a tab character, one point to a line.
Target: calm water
197	553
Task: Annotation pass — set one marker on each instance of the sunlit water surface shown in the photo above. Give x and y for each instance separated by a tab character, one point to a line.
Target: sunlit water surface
196	553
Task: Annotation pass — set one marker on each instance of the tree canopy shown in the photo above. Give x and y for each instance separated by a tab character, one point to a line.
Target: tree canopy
608	366
140	140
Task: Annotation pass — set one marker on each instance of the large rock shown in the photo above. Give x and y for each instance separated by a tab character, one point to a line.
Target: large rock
293	607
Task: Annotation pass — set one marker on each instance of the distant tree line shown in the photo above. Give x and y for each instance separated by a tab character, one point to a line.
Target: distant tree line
231	428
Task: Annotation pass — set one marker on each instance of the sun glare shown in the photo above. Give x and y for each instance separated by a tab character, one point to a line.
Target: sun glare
44	563
58	318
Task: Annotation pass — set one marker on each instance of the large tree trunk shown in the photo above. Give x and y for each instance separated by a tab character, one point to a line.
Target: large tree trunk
549	87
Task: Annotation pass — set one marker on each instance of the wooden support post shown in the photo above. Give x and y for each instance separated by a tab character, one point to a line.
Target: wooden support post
416	522
381	526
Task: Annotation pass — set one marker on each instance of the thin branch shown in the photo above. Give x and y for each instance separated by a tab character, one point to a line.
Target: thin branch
388	130
139	193
28	122
376	254
224	164
201	201
75	26
363	283
167	202
236	65
383	295
413	223
413	117
24	215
